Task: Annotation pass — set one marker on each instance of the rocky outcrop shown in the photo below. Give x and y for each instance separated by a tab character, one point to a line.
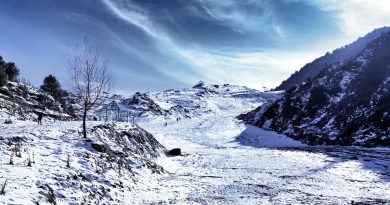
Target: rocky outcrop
127	143
24	102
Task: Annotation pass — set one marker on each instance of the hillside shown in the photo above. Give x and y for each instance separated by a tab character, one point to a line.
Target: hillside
339	55
57	165
52	163
186	102
23	102
346	104
207	99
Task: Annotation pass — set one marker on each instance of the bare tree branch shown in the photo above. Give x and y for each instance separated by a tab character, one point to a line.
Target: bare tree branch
91	77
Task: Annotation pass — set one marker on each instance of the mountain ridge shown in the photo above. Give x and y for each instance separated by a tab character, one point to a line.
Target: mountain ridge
339	55
345	104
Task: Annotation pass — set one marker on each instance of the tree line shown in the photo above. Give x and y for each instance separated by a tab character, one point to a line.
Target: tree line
8	72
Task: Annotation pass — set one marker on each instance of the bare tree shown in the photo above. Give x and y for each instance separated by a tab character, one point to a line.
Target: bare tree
91	78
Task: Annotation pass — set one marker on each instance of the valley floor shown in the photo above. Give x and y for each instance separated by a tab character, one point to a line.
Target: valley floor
227	162
223	162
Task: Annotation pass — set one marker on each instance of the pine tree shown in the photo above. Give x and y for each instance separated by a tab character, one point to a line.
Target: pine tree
52	86
12	71
3	75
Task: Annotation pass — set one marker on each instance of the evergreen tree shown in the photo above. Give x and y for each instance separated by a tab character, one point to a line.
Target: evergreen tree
52	86
2	63
12	71
3	75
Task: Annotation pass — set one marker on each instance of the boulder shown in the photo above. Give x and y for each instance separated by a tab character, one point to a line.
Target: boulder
174	152
99	147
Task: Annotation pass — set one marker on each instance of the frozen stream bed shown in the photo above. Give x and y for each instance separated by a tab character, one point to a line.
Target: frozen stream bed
227	162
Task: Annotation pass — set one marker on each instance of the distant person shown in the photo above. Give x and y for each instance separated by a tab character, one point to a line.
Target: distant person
40	116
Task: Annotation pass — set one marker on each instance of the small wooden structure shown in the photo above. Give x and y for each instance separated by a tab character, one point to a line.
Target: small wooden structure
114	112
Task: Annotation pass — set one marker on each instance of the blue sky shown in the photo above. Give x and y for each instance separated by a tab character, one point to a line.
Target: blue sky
155	45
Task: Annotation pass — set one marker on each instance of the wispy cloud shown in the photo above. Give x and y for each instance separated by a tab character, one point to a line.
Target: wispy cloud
236	14
163	44
189	62
134	15
255	69
357	17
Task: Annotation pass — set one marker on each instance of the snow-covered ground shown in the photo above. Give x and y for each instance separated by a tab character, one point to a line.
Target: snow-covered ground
224	162
227	162
93	177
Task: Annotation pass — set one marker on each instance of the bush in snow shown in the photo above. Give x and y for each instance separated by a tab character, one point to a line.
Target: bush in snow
51	198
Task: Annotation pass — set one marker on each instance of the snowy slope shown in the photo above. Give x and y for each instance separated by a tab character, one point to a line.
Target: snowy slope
187	102
227	162
208	99
19	101
115	159
340	55
346	104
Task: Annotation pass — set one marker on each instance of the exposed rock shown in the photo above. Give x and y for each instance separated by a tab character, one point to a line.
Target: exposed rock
174	152
100	147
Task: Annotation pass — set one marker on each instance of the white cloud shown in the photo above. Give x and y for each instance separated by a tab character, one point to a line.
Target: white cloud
358	17
133	15
254	69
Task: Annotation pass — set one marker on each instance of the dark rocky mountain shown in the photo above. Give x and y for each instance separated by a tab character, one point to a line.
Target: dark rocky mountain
339	55
346	104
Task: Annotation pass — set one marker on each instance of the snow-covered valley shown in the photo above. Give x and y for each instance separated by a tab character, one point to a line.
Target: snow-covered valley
227	162
223	160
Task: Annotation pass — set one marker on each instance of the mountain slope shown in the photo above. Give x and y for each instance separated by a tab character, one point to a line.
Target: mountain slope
345	53
208	99
187	102
346	104
20	101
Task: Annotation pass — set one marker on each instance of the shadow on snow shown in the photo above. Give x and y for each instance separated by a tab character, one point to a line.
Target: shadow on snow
372	159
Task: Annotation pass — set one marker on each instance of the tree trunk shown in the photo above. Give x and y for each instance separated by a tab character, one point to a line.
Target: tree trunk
84	124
